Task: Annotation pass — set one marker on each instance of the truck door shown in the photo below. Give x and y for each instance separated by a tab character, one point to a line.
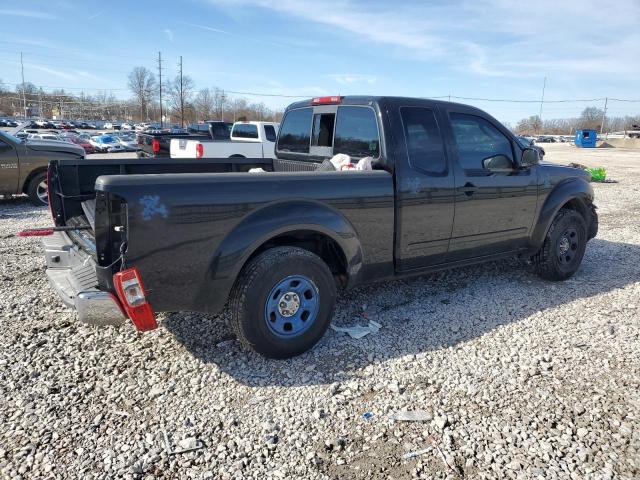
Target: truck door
424	188
9	168
495	200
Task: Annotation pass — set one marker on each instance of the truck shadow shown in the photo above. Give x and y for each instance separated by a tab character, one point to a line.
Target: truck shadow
418	315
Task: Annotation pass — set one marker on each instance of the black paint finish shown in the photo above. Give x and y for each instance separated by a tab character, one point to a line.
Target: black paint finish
191	225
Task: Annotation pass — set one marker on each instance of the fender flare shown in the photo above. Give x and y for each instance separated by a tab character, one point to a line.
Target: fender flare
565	191
267	223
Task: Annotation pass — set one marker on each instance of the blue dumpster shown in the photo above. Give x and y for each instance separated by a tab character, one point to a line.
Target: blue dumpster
586	138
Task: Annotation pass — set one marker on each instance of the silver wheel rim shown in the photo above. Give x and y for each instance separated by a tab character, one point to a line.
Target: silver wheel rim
41	192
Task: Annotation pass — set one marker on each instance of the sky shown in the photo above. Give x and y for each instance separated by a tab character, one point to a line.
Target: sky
493	49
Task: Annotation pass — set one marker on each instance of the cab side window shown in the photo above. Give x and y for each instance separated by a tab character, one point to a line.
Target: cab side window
424	142
270	133
478	140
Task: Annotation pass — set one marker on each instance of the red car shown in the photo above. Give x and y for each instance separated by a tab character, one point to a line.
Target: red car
88	148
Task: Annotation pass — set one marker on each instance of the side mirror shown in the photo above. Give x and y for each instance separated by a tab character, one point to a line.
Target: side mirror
498	163
530	157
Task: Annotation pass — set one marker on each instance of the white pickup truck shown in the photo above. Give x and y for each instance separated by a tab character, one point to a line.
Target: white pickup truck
248	139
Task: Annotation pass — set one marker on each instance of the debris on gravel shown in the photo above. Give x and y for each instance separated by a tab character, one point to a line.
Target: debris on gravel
513	376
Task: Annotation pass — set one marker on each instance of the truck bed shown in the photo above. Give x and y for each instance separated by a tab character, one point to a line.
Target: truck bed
180	222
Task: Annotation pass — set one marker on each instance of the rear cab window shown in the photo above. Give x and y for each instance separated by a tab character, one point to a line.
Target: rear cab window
323	131
295	131
245	130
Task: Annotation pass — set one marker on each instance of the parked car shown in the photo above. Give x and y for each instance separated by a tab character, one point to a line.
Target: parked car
106	143
23	164
43	136
108	126
129	142
449	186
82	142
158	144
248	139
126	126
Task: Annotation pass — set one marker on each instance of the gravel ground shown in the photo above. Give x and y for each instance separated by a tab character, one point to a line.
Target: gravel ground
515	377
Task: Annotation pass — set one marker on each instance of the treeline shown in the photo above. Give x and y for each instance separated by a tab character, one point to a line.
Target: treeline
182	103
591	117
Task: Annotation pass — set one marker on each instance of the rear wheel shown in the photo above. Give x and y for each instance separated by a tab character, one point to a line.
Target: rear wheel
38	191
282	302
563	248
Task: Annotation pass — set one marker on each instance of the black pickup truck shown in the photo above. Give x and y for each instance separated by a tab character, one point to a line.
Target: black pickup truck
157	144
450	186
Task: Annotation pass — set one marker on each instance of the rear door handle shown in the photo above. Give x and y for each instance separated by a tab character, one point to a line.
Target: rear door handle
469	189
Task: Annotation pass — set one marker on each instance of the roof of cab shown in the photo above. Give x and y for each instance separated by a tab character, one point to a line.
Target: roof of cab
369	99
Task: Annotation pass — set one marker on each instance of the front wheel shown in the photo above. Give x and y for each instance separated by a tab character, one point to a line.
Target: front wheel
283	302
563	247
38	190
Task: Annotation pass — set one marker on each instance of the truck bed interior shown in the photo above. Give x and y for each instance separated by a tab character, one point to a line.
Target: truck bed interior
73	196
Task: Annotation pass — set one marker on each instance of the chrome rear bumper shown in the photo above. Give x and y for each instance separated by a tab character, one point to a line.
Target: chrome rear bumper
72	275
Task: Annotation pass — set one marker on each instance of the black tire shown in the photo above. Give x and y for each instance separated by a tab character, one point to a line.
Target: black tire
35	190
249	301
563	247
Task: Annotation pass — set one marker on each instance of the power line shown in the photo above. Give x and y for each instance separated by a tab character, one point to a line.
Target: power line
453	97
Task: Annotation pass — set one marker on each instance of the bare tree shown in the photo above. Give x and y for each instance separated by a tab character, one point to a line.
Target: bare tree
591	117
143	84
529	126
180	94
204	104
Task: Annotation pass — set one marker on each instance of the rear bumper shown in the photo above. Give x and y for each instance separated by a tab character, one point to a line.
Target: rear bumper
72	275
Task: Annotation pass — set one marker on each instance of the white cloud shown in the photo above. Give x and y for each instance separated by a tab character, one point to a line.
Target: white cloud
95	15
205	27
491	38
51	71
28	14
353	78
169	34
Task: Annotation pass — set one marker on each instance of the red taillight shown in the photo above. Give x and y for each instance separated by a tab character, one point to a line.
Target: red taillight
155	144
132	296
326	100
199	150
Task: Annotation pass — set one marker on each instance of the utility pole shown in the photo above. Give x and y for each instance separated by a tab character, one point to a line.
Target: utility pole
181	95
222	99
160	75
604	115
24	97
544	85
